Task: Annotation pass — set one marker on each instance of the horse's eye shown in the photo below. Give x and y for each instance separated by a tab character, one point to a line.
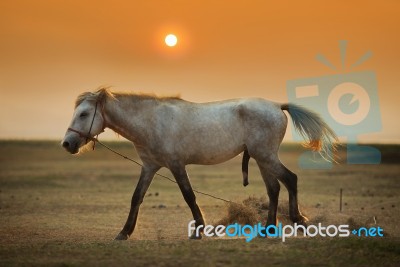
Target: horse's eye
83	114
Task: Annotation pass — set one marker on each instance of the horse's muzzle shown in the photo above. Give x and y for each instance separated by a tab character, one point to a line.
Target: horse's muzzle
70	146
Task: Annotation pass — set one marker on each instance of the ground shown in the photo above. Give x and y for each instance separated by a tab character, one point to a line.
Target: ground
59	209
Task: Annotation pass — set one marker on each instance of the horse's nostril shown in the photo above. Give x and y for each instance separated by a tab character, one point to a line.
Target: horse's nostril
65	144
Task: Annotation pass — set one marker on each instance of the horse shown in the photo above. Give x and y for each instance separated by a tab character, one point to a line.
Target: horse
172	133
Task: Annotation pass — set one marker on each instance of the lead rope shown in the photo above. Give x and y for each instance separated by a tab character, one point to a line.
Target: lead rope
165	177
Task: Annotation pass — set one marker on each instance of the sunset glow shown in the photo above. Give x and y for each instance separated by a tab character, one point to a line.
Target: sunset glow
52	51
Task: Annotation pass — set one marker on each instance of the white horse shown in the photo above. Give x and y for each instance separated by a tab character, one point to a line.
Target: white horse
171	132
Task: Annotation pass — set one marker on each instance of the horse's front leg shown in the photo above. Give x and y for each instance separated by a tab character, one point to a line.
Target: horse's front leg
182	179
146	176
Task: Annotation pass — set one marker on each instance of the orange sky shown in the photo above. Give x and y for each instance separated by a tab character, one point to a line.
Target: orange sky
53	50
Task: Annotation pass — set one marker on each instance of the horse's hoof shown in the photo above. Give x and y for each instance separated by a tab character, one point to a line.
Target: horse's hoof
121	236
303	221
195	237
245	183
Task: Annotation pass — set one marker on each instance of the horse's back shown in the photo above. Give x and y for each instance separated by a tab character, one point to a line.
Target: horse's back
228	113
233	107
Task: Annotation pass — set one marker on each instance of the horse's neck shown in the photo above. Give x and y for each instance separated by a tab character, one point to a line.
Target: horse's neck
126	118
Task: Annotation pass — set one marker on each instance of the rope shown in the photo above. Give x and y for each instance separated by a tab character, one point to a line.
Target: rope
165	177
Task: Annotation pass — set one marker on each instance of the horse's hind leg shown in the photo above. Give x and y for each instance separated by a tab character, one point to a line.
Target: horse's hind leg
289	179
182	179
245	167
270	179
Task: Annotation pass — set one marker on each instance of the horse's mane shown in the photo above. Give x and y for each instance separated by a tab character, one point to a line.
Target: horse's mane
104	93
99	95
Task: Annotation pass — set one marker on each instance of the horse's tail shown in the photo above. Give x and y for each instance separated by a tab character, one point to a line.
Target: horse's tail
319	136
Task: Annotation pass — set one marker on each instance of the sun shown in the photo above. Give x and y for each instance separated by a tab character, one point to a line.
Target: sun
171	40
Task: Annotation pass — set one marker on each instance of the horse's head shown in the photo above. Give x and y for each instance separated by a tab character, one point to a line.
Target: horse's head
87	122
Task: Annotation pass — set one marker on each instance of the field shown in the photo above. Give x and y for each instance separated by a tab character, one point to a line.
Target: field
62	210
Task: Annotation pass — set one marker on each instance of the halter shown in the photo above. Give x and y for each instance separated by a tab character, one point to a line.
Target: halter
88	136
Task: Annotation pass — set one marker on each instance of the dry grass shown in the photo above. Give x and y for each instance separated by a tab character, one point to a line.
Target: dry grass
253	210
247	213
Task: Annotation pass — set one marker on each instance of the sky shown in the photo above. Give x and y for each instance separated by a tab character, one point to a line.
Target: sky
51	51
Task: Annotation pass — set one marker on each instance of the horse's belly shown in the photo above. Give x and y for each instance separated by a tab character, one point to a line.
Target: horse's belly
212	152
212	159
